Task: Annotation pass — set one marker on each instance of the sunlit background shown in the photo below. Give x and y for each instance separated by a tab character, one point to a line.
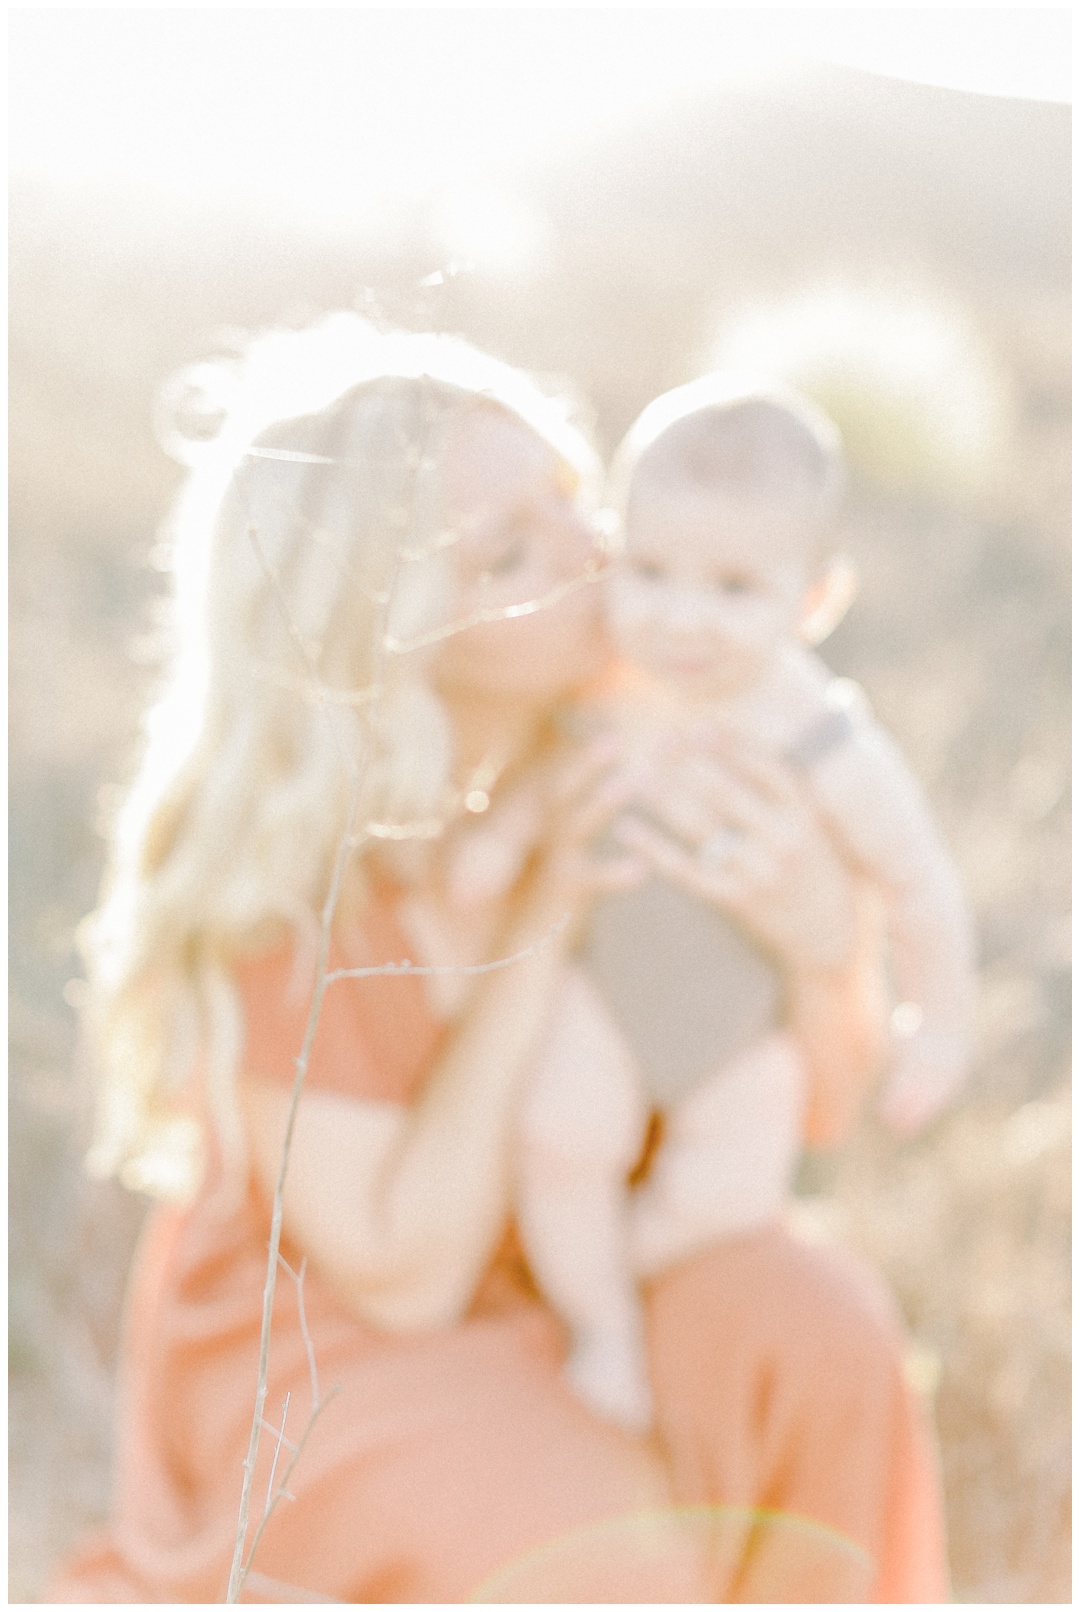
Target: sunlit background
330	113
874	204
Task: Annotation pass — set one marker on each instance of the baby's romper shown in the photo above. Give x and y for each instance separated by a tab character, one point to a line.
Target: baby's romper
671	1026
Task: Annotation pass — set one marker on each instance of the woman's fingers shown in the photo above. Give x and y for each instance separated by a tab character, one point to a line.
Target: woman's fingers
574	772
593	812
701	797
739	834
797	902
608	875
697	797
761	771
587	788
690	792
723	882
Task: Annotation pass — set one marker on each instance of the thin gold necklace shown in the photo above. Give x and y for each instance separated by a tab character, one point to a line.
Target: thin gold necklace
476	795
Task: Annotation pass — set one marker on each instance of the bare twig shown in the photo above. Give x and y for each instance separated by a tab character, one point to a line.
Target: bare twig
282	1491
275	1496
281	1439
346	847
309	1349
313	689
591	572
405	967
271	574
239	1567
352	837
291	456
273	1589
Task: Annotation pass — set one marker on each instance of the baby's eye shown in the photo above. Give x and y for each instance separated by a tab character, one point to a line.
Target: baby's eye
507	559
734	583
648	570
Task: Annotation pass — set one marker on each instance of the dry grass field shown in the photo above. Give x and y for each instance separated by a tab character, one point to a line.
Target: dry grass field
960	634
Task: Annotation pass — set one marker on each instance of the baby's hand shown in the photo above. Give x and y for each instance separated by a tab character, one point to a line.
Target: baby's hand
608	1370
918	1089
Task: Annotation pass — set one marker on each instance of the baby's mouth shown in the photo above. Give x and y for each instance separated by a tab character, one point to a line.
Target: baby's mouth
687	663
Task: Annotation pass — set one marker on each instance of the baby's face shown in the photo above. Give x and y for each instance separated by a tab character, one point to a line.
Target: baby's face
710	587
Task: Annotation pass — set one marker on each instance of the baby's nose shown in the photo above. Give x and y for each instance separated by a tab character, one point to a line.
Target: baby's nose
687	610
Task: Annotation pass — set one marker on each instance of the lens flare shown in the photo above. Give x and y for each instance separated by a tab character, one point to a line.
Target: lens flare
688	1554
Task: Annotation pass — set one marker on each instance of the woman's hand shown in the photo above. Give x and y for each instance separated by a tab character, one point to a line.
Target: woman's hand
732	825
402	1208
581	792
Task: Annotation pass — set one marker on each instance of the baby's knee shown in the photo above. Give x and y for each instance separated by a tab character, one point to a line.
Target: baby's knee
586	1127
583	1100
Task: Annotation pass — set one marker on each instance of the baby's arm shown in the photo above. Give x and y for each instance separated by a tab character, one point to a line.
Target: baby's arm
869	796
581	1130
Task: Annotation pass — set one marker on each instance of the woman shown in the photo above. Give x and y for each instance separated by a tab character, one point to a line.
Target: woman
383	596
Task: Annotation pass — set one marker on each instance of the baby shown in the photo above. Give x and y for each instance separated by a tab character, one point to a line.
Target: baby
671	1024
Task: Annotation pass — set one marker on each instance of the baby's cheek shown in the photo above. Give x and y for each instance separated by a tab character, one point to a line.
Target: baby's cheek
765	630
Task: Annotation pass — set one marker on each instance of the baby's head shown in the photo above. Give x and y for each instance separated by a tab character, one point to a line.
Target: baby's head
729	494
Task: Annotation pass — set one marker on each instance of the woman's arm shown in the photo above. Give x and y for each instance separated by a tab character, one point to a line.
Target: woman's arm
840	1017
401	1208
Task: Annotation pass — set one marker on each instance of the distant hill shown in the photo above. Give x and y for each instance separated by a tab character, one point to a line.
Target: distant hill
838	165
650	230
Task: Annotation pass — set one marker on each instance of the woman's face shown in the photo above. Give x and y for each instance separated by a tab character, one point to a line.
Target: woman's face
523	556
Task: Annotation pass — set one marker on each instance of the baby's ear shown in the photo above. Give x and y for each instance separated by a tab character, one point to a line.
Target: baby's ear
827	600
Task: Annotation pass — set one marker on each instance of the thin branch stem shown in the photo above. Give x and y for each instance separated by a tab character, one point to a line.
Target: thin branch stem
277	1450
282	1491
350	841
236	1575
274	1589
305	1334
405	967
271	574
346	848
590	573
268	1427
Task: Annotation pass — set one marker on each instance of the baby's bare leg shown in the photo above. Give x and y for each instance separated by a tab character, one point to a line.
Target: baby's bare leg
581	1130
728	1157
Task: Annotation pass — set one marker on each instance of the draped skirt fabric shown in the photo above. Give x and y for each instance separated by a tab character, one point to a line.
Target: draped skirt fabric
790	1461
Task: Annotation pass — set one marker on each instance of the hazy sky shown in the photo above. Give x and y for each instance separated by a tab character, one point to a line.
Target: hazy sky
331	111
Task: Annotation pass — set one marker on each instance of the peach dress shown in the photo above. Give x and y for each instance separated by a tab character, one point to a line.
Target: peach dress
454	1463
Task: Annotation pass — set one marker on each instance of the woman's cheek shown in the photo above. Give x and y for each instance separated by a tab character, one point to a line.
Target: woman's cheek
630	616
578	637
543	654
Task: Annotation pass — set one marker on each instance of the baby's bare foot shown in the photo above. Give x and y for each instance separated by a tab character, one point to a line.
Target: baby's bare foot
608	1371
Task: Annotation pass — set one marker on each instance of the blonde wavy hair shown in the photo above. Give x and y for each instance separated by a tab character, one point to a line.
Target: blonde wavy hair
308	572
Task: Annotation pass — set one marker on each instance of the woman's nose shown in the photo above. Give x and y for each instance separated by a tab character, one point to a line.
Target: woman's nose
584	542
